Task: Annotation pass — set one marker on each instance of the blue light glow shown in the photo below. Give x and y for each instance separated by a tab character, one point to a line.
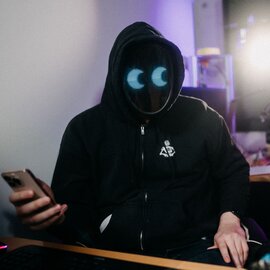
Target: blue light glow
133	79
157	76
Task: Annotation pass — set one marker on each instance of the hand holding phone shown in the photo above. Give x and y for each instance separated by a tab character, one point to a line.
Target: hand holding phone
25	180
30	198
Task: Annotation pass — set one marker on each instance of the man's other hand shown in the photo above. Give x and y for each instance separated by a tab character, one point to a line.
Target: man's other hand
230	239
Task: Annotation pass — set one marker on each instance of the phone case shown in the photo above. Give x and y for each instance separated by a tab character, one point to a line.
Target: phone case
25	179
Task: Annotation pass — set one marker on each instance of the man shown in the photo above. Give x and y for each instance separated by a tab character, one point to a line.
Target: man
147	170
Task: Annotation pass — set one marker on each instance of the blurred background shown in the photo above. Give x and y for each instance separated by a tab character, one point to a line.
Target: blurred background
53	65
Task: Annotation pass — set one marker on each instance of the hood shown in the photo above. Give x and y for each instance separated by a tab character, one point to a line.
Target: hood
138	32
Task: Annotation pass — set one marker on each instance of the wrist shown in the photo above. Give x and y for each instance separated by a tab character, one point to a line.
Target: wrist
229	217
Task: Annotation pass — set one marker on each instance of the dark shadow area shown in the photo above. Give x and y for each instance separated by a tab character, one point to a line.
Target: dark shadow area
17	229
259	207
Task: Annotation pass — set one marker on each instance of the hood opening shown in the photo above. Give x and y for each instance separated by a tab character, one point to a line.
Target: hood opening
164	72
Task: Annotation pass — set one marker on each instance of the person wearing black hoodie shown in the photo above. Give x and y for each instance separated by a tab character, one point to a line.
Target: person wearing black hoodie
148	170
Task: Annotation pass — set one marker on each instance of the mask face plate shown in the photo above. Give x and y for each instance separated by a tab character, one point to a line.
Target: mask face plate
147	77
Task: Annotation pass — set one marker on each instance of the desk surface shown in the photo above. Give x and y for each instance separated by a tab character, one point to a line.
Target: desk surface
14	243
260	178
259	173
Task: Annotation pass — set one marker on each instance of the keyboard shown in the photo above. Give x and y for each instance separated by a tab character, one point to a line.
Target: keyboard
39	258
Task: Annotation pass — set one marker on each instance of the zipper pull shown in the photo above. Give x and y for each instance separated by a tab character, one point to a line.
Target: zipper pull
141	240
142	129
145	197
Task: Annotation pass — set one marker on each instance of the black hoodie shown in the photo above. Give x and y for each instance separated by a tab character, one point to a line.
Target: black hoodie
158	185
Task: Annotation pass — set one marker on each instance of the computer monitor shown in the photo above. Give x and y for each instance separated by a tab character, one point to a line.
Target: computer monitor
250	109
214	97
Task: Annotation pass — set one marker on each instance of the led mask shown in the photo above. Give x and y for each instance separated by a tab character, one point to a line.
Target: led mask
147	77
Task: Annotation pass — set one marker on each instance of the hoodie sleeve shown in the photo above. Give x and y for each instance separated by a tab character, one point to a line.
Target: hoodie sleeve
72	184
230	170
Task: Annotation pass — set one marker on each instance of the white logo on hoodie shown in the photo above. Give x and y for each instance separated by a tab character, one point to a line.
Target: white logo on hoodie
167	150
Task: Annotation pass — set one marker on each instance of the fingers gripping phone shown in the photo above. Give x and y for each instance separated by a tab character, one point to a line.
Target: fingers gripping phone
25	179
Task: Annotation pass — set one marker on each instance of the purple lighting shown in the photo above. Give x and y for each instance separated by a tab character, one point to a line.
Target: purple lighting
174	19
3	246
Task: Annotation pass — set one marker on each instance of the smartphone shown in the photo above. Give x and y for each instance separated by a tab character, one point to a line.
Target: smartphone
25	179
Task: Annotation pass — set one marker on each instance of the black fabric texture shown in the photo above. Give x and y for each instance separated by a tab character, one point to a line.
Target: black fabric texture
164	182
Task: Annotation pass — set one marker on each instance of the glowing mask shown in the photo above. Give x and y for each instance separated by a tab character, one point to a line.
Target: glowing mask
147	78
156	78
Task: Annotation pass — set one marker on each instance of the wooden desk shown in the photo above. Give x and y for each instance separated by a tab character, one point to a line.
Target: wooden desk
14	243
260	178
260	173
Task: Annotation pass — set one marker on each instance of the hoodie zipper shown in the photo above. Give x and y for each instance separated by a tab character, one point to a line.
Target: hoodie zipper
142	168
142	150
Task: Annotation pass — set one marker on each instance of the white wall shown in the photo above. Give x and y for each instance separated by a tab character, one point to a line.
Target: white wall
208	24
53	64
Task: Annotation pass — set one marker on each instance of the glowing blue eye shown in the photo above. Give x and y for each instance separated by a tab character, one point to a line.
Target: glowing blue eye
157	76
133	79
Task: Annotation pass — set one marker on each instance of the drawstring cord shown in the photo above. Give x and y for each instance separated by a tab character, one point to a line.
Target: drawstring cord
248	236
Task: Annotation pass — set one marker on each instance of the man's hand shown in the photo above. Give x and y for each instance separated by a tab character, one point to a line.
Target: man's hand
230	239
34	212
